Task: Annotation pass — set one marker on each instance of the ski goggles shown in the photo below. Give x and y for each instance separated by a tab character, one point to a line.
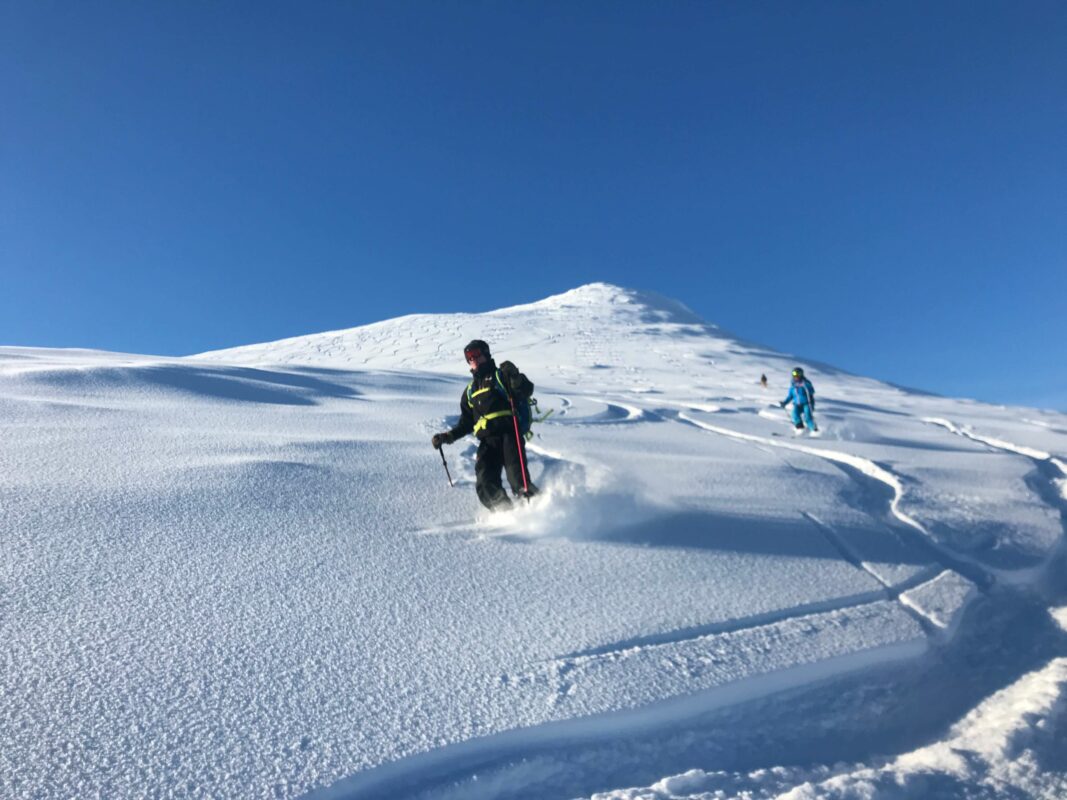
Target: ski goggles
472	354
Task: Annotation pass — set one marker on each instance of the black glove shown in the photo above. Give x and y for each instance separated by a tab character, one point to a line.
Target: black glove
510	373
782	404
440	439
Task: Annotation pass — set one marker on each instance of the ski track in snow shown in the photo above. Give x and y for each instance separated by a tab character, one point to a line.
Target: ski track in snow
894	591
614	649
857	464
864	465
1038	456
945	560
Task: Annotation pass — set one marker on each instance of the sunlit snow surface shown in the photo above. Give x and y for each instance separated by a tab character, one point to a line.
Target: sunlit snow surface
244	574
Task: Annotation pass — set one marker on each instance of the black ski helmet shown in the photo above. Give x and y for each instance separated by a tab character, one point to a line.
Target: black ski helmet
476	346
798	373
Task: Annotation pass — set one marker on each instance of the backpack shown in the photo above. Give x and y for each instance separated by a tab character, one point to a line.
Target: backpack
522	407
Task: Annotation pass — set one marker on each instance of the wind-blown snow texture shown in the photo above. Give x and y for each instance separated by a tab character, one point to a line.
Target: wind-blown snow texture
243	574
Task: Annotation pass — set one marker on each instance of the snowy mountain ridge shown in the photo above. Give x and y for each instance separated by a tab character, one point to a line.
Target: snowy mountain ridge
631	341
244	573
533	326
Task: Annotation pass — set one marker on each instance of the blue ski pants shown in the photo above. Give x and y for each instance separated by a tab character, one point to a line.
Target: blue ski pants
804	410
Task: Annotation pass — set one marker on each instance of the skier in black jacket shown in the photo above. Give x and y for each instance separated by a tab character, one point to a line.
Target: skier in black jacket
485	411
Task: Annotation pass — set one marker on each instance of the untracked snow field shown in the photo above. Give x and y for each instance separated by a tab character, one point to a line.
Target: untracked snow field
244	574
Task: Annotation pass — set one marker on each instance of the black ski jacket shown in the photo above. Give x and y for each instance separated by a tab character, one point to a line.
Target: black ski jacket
487	412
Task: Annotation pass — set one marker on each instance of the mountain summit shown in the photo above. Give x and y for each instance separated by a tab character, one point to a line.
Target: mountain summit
607	298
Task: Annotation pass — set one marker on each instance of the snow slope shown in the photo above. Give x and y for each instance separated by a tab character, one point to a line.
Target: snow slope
244	574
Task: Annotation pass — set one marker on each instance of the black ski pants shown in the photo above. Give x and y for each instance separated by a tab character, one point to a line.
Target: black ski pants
496	453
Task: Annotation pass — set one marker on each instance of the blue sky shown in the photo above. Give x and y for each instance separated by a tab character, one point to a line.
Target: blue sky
875	185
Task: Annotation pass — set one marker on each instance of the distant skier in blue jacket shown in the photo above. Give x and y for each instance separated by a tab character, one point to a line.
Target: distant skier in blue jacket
802	396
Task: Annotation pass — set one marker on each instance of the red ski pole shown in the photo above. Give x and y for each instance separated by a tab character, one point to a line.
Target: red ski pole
519	447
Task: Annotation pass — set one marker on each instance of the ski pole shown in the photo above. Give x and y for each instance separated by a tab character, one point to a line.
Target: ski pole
449	474
519	447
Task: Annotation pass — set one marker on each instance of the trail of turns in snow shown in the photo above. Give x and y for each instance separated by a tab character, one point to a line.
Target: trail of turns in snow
1039	456
876	472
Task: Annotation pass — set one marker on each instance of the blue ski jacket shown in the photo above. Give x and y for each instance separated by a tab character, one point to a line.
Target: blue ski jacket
802	393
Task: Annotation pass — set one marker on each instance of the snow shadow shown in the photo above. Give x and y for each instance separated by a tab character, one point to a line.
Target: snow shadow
702	530
242	384
247	384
